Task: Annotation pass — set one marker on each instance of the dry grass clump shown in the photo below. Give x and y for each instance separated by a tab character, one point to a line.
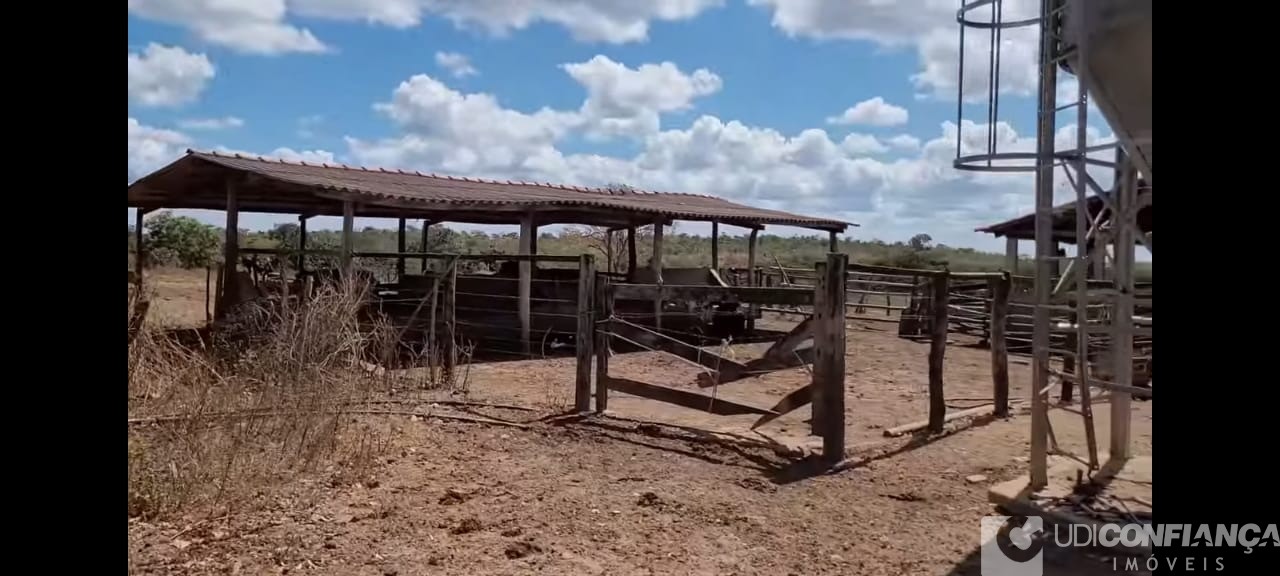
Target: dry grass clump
216	425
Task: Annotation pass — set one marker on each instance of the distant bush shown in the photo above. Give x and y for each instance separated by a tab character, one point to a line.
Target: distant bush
180	241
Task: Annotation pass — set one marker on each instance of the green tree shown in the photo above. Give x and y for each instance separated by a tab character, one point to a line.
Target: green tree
921	242
181	240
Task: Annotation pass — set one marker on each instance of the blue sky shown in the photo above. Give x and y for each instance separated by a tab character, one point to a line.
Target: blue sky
828	107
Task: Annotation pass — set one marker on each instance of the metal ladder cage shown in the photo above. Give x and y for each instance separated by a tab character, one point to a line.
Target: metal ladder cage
1118	231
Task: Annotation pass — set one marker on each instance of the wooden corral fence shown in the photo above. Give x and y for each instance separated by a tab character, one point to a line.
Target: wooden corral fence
970	312
867	293
825	328
919	301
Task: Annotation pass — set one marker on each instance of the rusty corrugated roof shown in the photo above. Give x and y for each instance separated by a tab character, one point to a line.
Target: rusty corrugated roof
1064	221
471	193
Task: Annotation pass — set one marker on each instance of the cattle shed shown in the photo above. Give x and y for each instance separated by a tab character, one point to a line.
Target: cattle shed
527	295
1064	225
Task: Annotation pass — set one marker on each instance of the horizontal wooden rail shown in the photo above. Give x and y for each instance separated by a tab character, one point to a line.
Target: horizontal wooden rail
743	294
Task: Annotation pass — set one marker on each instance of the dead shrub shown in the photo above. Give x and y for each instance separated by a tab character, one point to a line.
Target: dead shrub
267	399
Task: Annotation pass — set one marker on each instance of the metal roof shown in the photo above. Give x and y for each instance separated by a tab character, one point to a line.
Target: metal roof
1064	221
198	180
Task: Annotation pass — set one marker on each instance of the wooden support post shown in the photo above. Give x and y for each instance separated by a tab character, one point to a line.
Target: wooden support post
833	241
1097	252
302	245
715	245
1011	254
426	247
937	351
230	253
1000	344
751	277
139	246
829	353
1072	345
527	230
656	264
348	236
608	250
604	311
583	341
821	311
631	252
400	247
448	309
208	291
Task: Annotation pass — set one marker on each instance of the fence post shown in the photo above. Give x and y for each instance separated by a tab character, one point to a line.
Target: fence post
829	352
604	310
937	350
586	334
817	404
1000	343
448	306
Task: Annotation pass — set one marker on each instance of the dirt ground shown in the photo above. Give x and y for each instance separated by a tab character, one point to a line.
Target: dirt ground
612	496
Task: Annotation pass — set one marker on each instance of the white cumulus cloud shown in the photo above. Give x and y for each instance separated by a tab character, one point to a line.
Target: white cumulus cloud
251	26
167	75
223	123
872	112
457	64
150	148
265	27
628	101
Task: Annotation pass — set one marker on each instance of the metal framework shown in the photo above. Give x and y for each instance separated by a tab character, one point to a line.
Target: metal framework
1102	275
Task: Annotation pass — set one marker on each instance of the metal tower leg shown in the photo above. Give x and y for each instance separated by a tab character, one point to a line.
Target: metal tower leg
1044	247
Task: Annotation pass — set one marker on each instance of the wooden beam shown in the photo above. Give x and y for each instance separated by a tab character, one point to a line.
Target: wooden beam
833	241
401	228
937	352
715	245
608	250
707	293
751	276
527	230
302	244
426	245
139	246
789	403
449	307
759	366
1000	344
1011	255
631	252
829	353
693	400
894	271
230	251
348	236
656	264
657	341
583	340
821	320
923	424
604	304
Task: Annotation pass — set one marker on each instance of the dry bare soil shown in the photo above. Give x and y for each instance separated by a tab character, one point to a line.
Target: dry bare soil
613	496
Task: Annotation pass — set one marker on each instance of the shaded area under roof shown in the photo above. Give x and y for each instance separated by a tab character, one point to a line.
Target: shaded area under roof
1064	221
199	180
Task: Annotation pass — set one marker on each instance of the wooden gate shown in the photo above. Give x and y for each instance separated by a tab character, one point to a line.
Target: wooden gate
825	393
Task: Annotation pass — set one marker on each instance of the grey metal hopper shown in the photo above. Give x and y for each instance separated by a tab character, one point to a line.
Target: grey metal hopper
1118	71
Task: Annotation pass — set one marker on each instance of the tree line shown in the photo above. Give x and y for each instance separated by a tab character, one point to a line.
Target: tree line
181	241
